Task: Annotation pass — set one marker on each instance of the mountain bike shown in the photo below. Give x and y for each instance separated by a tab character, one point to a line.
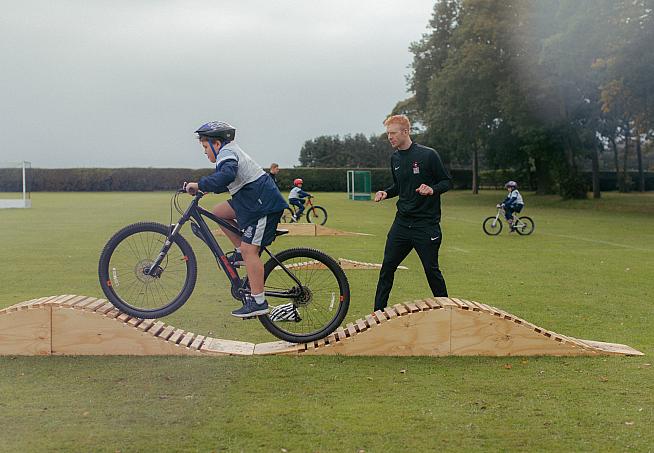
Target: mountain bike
315	214
148	270
522	225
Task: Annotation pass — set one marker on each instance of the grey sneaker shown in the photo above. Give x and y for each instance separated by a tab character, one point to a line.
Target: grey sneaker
251	308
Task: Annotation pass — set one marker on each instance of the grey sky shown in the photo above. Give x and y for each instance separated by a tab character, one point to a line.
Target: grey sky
125	83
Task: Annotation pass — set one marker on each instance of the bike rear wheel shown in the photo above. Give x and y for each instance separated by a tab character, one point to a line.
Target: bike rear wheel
492	226
125	277
314	308
287	216
317	215
525	226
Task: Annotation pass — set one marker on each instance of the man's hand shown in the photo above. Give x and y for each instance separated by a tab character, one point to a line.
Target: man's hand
381	195
192	188
424	189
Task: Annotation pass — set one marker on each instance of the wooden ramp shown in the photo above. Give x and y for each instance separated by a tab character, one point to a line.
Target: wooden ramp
343	262
79	325
307	229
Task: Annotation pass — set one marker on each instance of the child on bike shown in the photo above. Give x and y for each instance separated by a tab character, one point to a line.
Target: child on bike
296	198
255	207
512	203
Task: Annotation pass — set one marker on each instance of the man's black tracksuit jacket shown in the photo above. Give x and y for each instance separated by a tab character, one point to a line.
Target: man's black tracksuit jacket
417	222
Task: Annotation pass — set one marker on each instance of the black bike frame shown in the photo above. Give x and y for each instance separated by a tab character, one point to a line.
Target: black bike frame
239	286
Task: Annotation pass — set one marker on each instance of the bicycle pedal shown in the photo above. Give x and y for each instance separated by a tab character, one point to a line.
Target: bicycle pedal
249	317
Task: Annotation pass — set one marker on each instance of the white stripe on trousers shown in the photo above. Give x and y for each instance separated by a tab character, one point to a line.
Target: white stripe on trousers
261	228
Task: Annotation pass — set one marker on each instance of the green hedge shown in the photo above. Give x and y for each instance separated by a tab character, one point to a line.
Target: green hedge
315	179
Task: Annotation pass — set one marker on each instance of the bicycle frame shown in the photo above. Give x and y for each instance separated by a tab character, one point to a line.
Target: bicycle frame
195	214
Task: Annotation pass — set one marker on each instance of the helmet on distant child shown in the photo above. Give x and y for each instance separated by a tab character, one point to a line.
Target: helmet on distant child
297	182
512	184
220	130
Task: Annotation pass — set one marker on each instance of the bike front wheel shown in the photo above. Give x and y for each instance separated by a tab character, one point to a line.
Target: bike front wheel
129	282
287	216
317	215
492	226
524	226
309	296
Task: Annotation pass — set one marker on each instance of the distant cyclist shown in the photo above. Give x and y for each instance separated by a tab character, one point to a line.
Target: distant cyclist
255	207
512	203
296	198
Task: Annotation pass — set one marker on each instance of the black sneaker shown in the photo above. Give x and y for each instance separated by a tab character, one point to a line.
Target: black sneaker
251	308
235	259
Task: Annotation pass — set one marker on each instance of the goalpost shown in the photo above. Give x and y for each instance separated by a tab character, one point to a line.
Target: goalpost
358	185
15	179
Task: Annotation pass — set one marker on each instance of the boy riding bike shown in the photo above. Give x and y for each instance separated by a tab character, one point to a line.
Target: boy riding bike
512	203
255	208
296	198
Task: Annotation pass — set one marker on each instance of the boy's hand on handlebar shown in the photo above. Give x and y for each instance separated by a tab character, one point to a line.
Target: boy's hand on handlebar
192	188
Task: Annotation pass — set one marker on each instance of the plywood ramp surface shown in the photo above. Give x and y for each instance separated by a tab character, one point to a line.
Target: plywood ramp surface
308	229
437	326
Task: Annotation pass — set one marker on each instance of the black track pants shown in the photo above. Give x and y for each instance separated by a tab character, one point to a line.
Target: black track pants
426	240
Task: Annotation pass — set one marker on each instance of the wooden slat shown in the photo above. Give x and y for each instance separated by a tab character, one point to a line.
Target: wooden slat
146	325
422	305
177	334
412	307
187	339
390	313
197	342
380	316
400	309
371	320
361	325
156	328
96	304
432	303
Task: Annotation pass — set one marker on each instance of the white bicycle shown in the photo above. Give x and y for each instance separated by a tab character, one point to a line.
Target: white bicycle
522	225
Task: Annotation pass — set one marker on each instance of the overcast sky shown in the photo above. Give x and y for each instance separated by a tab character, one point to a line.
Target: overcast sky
125	83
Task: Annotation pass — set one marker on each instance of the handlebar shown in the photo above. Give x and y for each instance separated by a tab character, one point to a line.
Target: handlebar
199	193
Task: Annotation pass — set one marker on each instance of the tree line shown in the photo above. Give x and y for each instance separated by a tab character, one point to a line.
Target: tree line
542	87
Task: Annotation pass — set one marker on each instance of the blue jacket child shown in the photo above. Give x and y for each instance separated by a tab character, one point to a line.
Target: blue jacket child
512	203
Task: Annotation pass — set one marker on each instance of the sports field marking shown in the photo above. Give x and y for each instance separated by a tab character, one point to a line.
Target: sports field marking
599	241
567	236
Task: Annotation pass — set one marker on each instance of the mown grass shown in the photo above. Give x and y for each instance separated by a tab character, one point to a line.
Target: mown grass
585	272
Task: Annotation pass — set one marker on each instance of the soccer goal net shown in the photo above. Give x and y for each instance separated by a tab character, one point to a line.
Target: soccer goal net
15	181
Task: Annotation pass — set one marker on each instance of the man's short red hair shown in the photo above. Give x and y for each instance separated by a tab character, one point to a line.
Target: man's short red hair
402	120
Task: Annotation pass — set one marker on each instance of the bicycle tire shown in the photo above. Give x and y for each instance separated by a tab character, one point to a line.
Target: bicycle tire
317	215
129	251
528	228
287	216
490	228
315	305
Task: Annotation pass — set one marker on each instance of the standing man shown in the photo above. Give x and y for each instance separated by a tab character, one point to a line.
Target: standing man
419	178
274	169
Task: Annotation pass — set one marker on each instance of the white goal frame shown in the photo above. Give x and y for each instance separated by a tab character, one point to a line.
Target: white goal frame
25	201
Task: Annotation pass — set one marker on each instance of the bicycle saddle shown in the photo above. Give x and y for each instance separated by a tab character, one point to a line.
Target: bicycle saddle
280	232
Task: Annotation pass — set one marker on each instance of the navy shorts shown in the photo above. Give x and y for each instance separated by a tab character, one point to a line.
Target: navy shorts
262	231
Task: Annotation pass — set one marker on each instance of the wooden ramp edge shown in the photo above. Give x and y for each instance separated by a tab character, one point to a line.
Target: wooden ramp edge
308	229
343	262
80	325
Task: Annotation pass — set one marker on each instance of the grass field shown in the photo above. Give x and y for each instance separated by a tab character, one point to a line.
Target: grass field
585	272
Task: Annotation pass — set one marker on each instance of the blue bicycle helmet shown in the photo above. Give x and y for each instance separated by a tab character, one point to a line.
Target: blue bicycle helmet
220	130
